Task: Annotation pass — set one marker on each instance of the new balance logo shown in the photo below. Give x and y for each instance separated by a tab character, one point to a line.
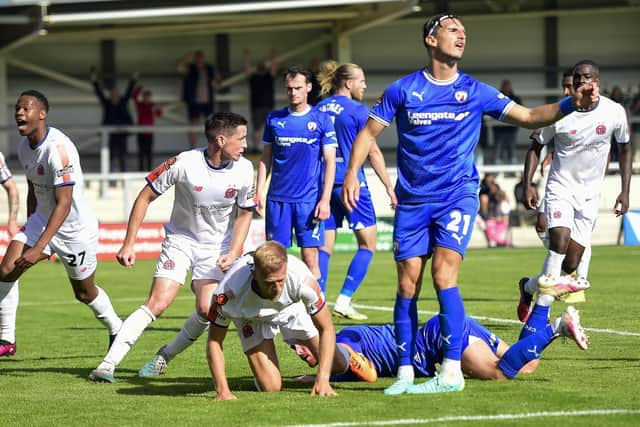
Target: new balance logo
418	95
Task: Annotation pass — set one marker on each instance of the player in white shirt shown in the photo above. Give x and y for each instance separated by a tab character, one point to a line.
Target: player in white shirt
58	219
263	293
582	143
212	211
6	179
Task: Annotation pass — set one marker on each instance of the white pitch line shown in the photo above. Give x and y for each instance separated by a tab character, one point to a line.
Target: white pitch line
414	421
500	320
366	307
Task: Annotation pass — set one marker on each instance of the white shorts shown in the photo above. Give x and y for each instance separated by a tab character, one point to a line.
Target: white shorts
179	254
293	322
78	254
561	213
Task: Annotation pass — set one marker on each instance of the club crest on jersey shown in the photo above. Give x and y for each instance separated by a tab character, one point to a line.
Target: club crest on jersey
557	214
601	129
40	169
461	96
247	330
169	264
198	188
230	193
312	126
573	132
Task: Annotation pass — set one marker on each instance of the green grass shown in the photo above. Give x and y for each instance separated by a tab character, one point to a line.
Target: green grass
59	342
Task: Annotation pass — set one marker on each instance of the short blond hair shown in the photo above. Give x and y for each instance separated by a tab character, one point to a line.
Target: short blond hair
270	256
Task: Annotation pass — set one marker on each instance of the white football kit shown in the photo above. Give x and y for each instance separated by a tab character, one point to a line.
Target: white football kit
5	173
582	141
54	163
256	319
206	202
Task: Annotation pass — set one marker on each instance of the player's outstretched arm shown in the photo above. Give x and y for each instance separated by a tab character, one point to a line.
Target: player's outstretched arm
359	152
215	358
126	256
584	98
322	321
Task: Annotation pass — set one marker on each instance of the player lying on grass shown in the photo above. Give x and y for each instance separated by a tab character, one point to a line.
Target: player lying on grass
484	355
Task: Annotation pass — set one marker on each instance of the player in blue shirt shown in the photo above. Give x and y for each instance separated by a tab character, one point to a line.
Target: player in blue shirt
438	112
297	139
484	355
346	84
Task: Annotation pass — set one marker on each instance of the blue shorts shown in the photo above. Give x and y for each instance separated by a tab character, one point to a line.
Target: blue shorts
418	228
362	216
282	217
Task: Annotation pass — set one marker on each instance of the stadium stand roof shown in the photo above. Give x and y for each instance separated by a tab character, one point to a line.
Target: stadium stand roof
21	20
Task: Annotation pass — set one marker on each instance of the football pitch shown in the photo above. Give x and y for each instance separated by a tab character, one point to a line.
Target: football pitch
59	343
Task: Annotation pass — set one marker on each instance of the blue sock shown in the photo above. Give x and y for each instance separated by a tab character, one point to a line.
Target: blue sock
451	322
357	270
404	330
525	350
323	264
538	319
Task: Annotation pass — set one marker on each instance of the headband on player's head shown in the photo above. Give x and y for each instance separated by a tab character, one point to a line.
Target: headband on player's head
434	22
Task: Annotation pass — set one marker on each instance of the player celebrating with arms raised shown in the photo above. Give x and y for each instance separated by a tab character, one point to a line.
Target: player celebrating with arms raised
438	112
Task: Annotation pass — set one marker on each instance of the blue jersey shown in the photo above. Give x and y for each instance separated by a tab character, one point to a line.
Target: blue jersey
378	344
349	117
438	125
297	140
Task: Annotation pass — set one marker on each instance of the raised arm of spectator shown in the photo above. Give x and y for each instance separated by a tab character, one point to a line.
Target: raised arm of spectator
273	66
246	60
182	66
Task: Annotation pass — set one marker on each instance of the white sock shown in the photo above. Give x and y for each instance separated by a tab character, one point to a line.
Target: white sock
131	330
405	372
342	302
583	266
343	353
104	312
531	287
451	370
545	300
191	331
9	296
553	263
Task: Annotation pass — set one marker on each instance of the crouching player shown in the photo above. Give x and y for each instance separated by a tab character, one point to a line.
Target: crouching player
266	292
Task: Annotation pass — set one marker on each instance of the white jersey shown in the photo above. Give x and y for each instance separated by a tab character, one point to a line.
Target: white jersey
206	198
236	299
5	173
53	163
582	141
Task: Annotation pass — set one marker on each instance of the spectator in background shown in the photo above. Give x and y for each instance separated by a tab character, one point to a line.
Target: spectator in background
487	189
498	222
115	112
314	95
505	135
147	110
261	95
199	81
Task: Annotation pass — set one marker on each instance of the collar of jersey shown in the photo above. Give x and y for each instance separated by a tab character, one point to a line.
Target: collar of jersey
217	168
427	75
302	113
591	109
42	140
